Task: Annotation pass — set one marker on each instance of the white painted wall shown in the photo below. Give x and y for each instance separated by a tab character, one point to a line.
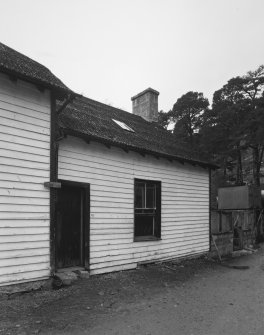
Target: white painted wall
24	166
111	173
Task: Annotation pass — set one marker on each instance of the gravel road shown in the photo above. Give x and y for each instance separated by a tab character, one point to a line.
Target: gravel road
198	297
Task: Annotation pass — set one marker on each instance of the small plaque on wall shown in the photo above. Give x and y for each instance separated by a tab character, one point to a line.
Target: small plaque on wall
52	184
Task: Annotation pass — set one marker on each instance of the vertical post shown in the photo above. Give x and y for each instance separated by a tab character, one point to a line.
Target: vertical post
53	178
210	229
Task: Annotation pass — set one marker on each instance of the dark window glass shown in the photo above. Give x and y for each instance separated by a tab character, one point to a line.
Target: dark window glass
147	209
140	195
151	196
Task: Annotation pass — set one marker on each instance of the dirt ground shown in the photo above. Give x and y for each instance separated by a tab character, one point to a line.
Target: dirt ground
198	297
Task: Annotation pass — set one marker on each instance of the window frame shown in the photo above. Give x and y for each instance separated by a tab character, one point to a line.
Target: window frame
123	125
157	216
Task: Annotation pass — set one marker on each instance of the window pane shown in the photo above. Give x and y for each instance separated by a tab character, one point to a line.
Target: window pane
151	196
144	225
140	195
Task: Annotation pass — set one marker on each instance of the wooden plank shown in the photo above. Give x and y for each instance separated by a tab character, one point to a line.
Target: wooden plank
25	156
21	133
24	185
35	143
23	92
20	253
74	176
24	245
29	230
23	223
26	149
24	238
25	171
39	113
83	166
115	268
43	208
25	201
75	147
24	277
69	169
23	117
17	124
23	268
22	261
24	216
24	163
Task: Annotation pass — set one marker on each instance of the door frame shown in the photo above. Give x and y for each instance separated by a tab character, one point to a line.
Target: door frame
85	187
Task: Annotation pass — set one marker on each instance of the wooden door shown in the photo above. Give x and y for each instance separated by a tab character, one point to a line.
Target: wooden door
70	235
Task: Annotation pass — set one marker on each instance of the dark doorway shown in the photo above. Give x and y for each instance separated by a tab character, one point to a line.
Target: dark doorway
72	226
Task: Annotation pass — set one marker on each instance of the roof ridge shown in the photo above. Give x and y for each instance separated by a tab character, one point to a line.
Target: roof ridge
110	107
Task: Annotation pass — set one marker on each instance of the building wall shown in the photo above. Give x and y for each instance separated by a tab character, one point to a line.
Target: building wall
24	166
111	173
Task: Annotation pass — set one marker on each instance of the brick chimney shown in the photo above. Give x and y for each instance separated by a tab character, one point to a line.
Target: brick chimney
145	104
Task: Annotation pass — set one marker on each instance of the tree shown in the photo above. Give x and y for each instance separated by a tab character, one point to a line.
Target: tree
235	124
251	87
233	127
186	114
229	116
164	119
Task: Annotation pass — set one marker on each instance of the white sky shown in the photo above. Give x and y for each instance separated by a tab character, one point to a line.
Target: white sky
110	50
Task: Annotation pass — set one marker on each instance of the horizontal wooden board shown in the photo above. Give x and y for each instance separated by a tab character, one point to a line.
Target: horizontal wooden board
23	238
24	277
43	208
29	142
16	231
25	200
24	216
24	185
21	253
24	92
17	124
114	268
23	134
22	117
24	245
6	263
24	193
24	171
23	223
18	109
13	161
42	157
25	149
23	268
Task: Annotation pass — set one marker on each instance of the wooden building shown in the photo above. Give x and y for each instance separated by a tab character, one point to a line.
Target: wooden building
87	185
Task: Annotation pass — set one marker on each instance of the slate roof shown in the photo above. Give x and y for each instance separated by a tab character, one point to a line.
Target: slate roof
93	120
14	63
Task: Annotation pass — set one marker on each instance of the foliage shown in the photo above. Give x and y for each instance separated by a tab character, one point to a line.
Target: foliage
186	114
232	129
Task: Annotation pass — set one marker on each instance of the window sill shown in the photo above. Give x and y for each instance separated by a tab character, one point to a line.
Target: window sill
146	238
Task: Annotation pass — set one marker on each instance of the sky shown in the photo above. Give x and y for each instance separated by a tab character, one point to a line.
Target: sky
110	50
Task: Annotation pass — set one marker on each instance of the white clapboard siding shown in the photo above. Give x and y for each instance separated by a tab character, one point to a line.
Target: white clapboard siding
111	174
24	167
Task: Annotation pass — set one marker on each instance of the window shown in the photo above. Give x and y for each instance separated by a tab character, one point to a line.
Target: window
147	210
123	125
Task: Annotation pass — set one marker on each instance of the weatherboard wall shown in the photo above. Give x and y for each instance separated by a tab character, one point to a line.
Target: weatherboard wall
24	167
111	173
